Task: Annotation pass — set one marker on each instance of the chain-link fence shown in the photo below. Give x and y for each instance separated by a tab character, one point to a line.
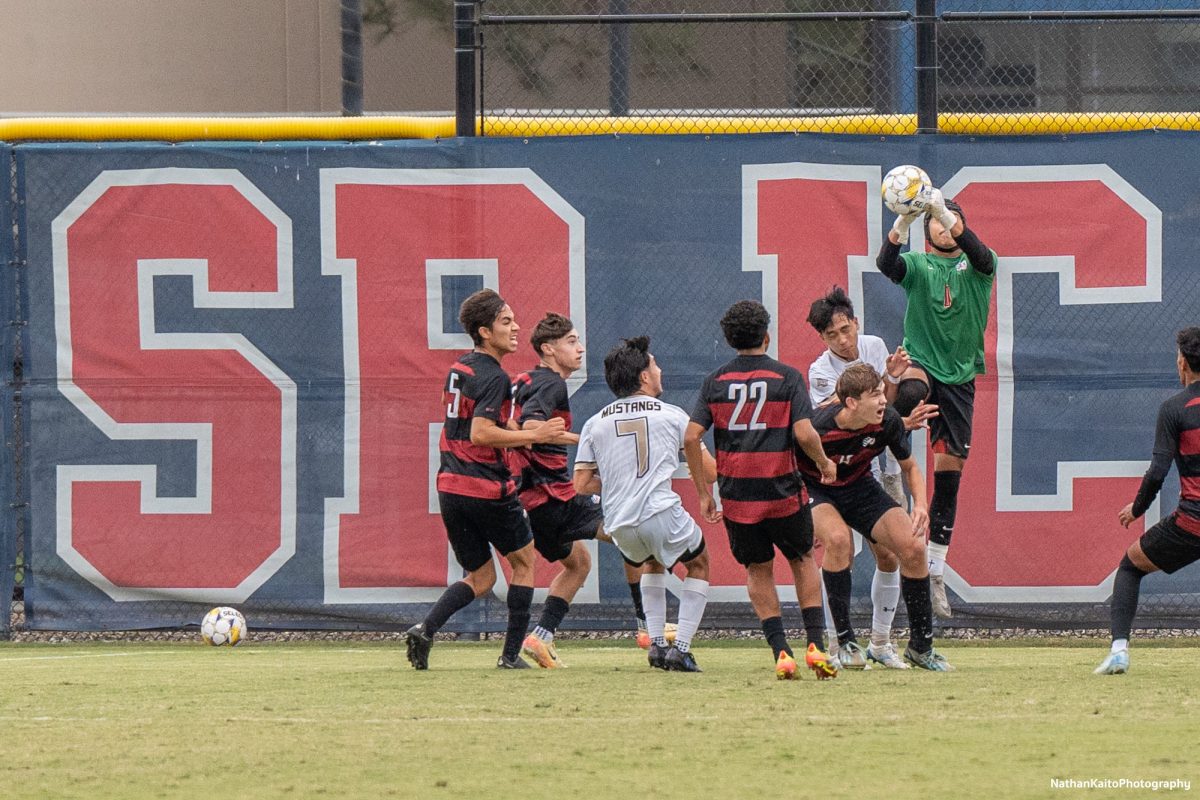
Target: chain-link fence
848	66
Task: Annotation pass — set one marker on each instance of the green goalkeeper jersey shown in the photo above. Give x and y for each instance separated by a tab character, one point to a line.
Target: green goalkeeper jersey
947	314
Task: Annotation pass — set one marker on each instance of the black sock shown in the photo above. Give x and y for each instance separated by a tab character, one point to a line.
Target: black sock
837	587
1125	597
453	600
519	600
553	613
635	593
814	625
920	615
944	505
773	630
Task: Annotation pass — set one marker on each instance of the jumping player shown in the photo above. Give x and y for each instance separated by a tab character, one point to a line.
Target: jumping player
1174	542
855	430
561	520
760	409
948	293
476	492
832	316
627	454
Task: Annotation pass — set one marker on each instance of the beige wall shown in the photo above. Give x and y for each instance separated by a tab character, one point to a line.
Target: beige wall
207	57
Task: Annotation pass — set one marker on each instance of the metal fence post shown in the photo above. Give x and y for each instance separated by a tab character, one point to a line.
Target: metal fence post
618	61
352	58
465	60
927	66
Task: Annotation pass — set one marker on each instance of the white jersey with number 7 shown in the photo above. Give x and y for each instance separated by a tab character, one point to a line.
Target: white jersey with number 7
634	443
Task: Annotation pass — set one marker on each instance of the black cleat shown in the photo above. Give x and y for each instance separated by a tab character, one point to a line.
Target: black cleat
516	662
419	644
657	656
675	661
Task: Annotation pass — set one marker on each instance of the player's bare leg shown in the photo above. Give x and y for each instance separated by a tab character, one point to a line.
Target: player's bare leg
539	645
895	531
806	577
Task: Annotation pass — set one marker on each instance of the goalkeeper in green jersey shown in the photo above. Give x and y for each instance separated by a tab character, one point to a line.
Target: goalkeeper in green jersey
948	290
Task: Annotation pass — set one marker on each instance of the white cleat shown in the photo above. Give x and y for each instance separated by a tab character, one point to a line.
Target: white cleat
886	656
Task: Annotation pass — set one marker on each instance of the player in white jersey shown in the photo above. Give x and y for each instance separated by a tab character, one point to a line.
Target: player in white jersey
627	454
832	316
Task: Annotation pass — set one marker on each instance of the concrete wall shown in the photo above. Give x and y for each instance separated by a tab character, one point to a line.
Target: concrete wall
207	57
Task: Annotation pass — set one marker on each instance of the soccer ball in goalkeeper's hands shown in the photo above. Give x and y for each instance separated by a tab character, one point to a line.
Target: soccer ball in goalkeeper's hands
223	626
903	185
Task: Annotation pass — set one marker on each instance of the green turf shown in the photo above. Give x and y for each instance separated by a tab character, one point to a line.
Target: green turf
353	720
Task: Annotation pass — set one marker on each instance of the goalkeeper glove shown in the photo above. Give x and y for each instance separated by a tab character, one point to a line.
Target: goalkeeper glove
933	203
902	224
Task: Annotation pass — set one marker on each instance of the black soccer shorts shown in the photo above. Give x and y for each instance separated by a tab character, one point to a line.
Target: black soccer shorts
472	524
861	503
1169	546
950	430
557	525
755	542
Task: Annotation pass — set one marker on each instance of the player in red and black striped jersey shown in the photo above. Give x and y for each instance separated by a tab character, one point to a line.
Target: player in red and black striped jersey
759	409
560	518
1174	542
854	431
476	492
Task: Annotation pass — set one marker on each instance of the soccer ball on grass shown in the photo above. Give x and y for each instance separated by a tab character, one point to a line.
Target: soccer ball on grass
223	626
901	186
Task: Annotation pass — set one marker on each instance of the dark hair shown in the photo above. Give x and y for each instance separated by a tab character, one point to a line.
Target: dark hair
1188	340
950	206
480	311
824	309
552	328
624	364
857	378
745	324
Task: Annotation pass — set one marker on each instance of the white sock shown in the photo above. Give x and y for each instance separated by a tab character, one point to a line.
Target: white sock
937	558
654	603
1119	645
830	628
692	600
885	596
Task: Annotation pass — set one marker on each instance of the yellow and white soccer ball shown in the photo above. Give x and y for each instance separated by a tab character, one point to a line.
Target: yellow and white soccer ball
223	626
901	186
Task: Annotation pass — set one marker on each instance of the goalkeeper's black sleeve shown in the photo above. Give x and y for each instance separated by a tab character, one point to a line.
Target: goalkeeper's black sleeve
976	251
889	261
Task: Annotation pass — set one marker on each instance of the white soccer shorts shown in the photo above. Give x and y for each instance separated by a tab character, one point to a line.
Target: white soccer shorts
665	537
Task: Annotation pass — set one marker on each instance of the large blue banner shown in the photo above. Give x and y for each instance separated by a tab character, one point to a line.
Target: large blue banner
8	293
236	351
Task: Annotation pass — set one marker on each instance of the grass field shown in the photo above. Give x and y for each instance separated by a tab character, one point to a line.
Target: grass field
346	720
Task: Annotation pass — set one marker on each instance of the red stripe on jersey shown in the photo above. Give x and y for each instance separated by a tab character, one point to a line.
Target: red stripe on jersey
538	495
549	461
837	434
461	367
774	414
755	465
749	376
463	450
1189	524
469	486
1189	442
1195	401
1189	488
748	512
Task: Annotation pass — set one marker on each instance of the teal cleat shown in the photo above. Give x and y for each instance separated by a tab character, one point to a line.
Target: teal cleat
930	660
1114	664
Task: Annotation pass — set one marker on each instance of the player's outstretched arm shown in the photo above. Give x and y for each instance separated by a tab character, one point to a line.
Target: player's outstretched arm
586	479
566	438
916	486
693	451
810	442
486	433
889	261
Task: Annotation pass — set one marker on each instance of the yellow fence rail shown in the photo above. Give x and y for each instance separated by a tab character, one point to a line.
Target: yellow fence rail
180	129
